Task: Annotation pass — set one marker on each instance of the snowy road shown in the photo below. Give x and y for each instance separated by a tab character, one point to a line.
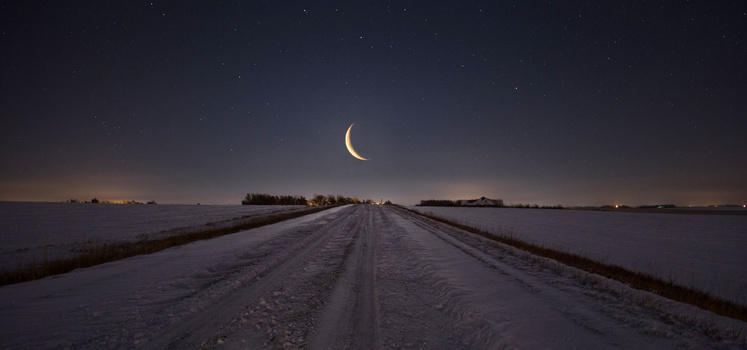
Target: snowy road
358	277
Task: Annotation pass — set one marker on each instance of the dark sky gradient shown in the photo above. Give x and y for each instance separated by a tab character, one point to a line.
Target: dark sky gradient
533	102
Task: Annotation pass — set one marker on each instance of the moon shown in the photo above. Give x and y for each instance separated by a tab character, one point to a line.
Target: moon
350	145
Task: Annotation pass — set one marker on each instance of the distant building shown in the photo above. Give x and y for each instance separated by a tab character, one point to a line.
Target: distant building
478	202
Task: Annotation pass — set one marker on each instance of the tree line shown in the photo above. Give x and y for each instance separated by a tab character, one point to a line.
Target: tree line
317	199
96	200
484	202
471	203
320	199
268	199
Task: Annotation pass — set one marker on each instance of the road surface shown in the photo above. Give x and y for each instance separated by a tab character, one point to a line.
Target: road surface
353	277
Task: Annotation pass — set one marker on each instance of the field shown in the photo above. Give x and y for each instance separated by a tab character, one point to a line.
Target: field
354	276
703	251
31	232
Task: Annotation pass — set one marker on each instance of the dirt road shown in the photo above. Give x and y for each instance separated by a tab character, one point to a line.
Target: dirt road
355	277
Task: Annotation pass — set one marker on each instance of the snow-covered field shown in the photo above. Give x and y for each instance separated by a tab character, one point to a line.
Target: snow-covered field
352	277
32	232
708	252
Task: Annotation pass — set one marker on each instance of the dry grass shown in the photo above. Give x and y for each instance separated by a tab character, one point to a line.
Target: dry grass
637	280
116	251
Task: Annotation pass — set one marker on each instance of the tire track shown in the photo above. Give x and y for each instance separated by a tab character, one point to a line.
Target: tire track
350	316
367	333
418	309
204	324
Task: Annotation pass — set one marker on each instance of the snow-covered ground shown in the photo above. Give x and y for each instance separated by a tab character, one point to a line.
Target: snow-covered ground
708	252
32	232
358	276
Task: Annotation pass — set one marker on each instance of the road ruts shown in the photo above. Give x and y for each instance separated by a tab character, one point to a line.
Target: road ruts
416	310
203	325
328	300
350	317
367	333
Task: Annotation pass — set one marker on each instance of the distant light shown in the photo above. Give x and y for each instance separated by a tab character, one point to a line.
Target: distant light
616	206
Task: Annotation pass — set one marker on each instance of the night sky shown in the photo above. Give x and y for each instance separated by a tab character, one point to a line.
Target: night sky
567	102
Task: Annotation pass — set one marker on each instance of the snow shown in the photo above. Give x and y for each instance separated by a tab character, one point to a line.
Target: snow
357	276
32	232
127	301
704	251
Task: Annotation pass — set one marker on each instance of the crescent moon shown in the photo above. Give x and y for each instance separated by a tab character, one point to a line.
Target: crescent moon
350	145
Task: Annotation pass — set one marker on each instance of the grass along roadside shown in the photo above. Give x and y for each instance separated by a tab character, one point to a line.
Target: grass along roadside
637	280
121	250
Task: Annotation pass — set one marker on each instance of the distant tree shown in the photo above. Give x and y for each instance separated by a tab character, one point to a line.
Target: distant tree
340	199
267	199
437	203
319	199
257	199
94	200
152	202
